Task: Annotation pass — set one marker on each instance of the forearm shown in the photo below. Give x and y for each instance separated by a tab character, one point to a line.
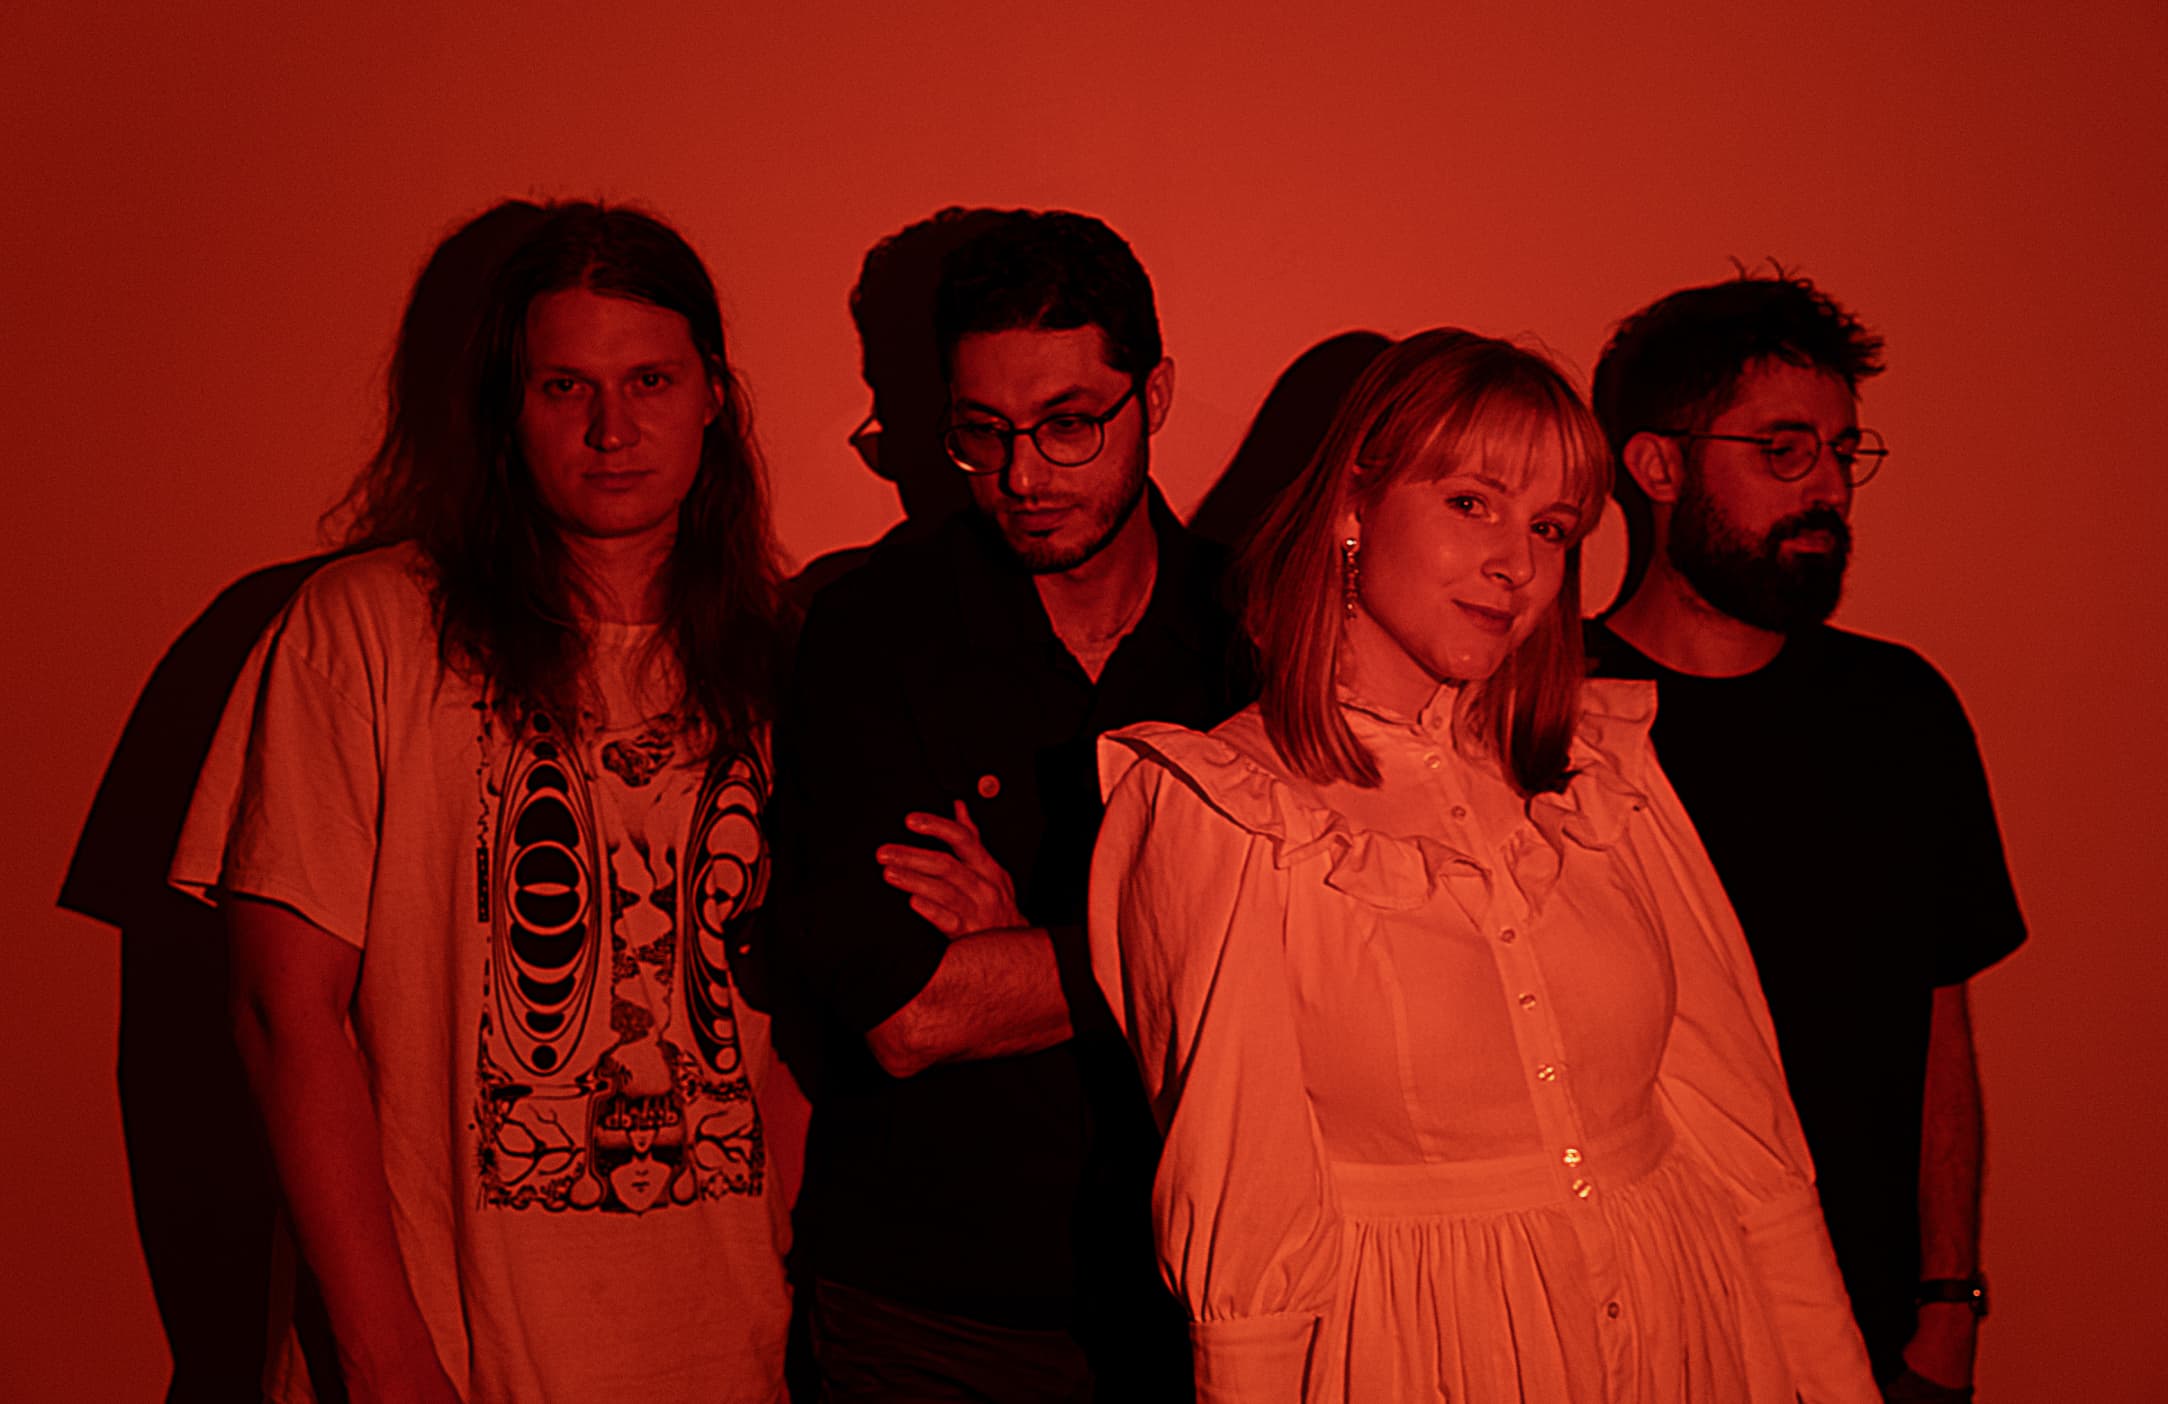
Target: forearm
1951	1151
308	1081
995	994
1951	1144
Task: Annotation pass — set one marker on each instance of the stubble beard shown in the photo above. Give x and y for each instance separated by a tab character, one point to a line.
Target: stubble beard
1104	523
1755	582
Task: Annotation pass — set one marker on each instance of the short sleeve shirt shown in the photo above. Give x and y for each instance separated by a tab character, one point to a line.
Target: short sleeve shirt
563	1075
1841	796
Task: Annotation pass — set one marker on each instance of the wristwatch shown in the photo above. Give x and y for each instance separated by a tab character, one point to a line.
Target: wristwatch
1972	1291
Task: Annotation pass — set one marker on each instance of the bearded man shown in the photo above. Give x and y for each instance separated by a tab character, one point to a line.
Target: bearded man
1833	777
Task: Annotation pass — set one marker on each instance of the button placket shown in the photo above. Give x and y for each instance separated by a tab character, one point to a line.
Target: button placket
1542	1045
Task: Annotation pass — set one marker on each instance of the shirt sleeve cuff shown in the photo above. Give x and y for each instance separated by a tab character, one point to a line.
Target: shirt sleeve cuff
1252	1359
1089	1017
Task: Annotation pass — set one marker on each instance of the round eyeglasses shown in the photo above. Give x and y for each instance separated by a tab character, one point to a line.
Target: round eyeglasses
1067	440
1790	454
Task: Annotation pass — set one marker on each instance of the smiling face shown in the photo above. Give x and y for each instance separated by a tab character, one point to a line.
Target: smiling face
1767	552
613	411
1456	569
1055	518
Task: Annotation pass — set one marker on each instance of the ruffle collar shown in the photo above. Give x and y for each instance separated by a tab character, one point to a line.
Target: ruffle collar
1399	872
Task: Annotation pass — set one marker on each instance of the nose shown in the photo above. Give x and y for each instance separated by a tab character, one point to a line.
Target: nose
1028	470
611	427
1512	558
1825	485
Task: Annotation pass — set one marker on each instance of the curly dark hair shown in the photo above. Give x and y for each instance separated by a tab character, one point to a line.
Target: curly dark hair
1677	362
1053	270
454	483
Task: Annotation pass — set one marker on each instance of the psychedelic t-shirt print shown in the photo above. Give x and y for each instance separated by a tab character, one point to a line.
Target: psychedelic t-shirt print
618	873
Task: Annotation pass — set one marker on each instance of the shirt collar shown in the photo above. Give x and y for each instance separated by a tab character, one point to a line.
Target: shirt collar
1434	719
998	598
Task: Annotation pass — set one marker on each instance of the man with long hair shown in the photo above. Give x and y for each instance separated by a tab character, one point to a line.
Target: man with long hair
200	1178
486	822
978	1169
1834	778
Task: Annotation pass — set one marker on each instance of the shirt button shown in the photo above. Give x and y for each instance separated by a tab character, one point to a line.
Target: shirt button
1549	1074
1460	811
1432	760
1507	935
1582	1188
989	786
1572	1155
1528	1001
1611	1310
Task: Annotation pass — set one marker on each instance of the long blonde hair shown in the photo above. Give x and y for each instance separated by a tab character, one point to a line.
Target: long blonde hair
1439	399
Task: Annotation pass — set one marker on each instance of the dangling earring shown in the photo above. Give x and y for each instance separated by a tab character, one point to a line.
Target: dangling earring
1351	575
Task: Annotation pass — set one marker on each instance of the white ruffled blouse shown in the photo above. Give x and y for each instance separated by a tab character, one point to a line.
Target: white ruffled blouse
1464	1098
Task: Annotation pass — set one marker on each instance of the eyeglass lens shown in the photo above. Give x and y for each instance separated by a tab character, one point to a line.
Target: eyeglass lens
1793	453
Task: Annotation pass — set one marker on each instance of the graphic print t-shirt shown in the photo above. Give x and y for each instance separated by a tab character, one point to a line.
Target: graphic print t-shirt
564	1075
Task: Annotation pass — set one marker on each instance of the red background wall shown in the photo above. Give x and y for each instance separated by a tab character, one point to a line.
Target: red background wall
213	212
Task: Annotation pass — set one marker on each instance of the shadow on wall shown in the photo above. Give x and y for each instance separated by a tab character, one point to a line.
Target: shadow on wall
205	1201
892	307
1287	431
199	1173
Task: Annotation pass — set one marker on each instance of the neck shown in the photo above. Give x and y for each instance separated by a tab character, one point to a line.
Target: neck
618	579
1100	597
1668	620
1379	671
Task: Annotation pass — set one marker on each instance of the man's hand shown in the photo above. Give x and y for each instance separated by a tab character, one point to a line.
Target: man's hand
960	892
1941	1349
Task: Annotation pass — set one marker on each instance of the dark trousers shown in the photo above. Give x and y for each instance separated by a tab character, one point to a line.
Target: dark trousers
868	1347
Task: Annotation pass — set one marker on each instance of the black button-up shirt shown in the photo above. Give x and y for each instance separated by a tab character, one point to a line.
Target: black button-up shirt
1011	1189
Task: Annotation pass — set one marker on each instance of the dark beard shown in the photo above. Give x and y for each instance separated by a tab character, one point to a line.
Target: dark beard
1754	582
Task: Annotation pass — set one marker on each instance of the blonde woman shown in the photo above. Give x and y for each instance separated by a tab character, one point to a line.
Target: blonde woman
1468	1089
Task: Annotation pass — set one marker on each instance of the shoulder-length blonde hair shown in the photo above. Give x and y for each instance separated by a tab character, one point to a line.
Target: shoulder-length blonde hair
1440	400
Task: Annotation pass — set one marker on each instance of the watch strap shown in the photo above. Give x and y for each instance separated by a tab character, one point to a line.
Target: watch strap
1971	1291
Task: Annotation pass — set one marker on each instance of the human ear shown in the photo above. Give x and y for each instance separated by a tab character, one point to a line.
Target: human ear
1656	464
1158	394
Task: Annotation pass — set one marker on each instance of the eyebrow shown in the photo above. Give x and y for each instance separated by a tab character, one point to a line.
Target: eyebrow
1054	402
1562	505
1770	425
671	363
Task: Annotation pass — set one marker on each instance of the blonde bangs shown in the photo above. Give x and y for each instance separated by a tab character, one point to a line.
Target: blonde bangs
1512	428
1437	402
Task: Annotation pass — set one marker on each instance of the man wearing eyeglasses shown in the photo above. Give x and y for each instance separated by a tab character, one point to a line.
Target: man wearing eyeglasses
1833	777
976	1211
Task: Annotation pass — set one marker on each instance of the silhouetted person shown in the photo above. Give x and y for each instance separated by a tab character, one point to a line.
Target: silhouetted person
978	1169
485	820
900	440
1834	778
204	1196
1285	434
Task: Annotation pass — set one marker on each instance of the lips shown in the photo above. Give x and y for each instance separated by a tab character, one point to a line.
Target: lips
1036	521
1819	529
616	479
1491	621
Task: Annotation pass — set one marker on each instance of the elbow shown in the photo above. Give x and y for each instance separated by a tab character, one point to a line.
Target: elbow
899	1044
258	1029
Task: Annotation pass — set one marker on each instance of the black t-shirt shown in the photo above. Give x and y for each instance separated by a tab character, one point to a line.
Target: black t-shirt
1015	1189
1840	794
